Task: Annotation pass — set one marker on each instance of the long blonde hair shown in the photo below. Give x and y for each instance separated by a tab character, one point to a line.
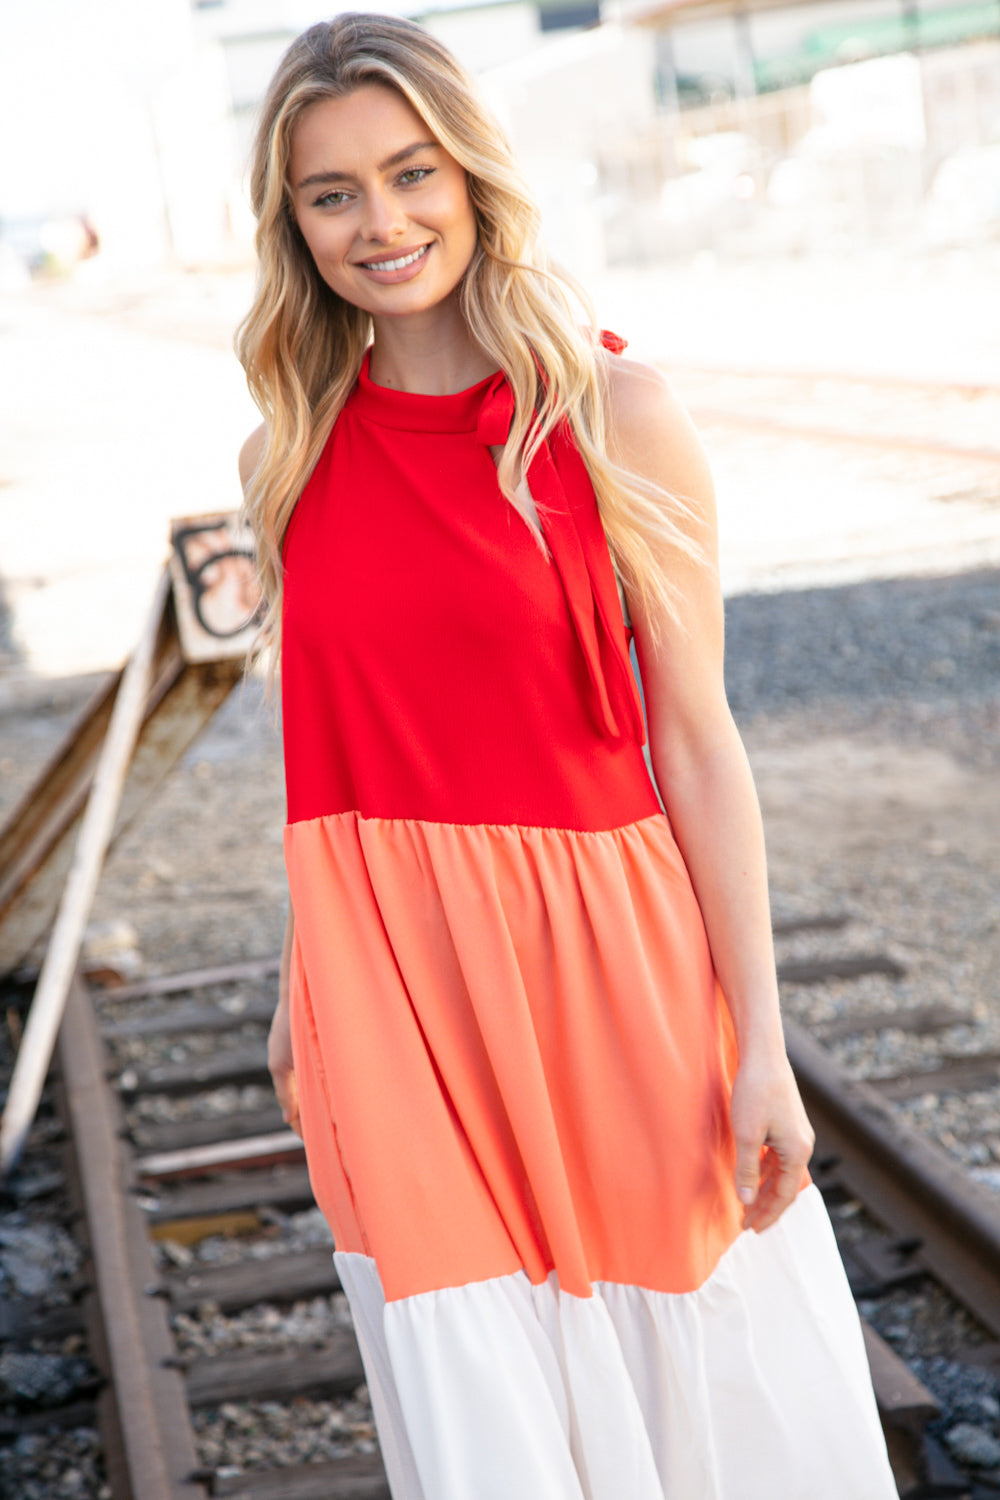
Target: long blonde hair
301	345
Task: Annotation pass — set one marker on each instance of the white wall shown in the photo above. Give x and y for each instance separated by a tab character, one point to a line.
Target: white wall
487	36
560	105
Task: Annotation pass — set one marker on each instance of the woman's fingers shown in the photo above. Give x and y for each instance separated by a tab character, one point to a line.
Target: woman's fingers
289	1100
280	1064
779	1186
288	1097
773	1142
747	1174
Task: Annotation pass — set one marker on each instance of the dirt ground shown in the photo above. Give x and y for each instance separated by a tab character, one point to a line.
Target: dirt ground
905	839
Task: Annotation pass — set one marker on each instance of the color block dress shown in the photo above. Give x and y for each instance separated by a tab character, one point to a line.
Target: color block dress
513	1059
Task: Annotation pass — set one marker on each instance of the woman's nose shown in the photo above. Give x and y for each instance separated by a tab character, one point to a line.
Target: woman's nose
383	218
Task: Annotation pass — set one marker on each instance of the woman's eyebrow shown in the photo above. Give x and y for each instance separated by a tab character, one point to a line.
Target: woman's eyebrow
317	178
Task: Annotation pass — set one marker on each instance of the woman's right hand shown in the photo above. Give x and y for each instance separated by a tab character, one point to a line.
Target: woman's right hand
280	1064
281	1067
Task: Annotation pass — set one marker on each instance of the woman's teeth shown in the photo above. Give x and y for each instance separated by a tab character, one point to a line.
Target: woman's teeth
395	265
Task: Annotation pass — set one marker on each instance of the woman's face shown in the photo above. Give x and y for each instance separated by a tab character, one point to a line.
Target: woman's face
384	209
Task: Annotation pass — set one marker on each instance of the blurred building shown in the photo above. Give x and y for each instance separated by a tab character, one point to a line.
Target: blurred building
792	125
253	34
712	49
647	127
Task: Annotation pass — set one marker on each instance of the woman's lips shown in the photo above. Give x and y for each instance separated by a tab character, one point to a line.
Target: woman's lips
398	267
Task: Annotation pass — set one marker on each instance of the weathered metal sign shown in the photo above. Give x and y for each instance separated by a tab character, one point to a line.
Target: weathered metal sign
215	586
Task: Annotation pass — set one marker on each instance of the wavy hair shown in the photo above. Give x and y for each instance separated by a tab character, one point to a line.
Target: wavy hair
301	345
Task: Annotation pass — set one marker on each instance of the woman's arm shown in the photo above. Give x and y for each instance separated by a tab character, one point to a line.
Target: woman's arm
704	779
279	1040
251	454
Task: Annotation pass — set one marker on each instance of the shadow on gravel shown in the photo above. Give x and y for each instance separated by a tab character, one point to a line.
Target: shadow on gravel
912	639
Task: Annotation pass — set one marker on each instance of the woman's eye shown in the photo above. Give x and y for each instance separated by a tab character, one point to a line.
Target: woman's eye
333	199
413	175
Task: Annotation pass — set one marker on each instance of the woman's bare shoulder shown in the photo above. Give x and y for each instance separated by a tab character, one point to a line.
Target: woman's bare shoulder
251	454
650	432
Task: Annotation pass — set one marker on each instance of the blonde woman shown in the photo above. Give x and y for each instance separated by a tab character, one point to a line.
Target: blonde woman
528	1022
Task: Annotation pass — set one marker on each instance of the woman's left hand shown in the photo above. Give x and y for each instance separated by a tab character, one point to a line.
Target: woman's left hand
773	1137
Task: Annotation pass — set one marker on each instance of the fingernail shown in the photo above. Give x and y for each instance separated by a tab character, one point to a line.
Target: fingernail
745	1195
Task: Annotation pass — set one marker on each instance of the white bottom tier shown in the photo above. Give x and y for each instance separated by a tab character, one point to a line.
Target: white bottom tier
753	1387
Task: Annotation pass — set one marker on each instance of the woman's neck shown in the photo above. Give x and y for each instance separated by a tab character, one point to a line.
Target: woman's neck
431	356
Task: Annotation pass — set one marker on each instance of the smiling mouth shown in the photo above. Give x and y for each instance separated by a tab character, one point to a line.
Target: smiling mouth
398	263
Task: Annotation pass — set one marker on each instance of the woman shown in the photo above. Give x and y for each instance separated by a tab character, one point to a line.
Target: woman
528	1022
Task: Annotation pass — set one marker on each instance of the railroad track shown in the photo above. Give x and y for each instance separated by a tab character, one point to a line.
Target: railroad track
139	1185
176	1142
950	421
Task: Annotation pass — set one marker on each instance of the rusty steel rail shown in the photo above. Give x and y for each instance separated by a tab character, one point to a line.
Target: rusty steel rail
145	1409
146	1425
903	1179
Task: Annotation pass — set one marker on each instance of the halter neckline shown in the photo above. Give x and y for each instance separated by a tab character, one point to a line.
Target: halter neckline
413	411
561	489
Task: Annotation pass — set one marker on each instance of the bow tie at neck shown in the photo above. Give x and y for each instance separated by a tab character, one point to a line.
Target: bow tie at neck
560	486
